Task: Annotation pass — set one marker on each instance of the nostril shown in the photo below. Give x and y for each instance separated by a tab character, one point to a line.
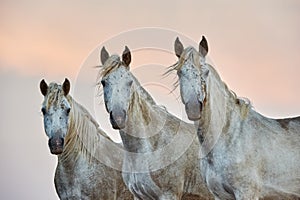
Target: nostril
201	105
56	141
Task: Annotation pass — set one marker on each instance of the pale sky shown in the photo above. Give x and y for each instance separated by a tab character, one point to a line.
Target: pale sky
253	45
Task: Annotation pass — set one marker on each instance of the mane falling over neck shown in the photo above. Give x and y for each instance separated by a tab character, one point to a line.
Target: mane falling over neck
83	135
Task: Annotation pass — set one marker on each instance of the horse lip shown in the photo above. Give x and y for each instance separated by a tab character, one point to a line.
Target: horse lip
56	150
192	118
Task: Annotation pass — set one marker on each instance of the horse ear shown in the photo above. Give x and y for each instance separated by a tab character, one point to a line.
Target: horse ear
43	87
104	55
126	56
178	47
203	47
66	86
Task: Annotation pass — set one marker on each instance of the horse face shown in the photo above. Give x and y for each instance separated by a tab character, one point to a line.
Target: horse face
117	92
190	89
192	78
117	95
55	109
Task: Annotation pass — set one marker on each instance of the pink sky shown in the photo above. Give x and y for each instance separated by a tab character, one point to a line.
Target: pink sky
253	45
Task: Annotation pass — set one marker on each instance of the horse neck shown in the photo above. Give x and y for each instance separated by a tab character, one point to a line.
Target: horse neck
143	113
219	100
83	133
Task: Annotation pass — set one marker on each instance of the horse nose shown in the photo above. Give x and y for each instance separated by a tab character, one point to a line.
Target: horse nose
193	109
56	145
117	119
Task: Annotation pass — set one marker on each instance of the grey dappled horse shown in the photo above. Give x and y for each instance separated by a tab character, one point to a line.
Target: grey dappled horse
161	160
245	155
75	137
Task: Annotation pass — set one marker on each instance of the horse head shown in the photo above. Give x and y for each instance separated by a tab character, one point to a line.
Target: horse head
56	108
117	86
192	72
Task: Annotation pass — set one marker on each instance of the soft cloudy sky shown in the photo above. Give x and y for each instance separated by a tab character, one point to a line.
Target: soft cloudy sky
254	46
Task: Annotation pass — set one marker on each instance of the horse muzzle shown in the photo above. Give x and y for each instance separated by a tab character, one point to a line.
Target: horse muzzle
56	145
193	110
118	119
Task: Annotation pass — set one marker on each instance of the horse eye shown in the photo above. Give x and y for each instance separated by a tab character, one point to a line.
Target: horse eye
179	72
68	110
43	110
130	83
103	83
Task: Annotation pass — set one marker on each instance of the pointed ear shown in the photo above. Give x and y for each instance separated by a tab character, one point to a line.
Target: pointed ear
66	86
126	56
104	55
203	47
178	47
43	87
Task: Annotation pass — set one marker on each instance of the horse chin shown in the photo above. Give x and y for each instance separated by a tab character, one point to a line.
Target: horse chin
193	117
56	150
56	145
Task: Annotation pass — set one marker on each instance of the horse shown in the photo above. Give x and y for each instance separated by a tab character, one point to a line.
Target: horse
245	155
161	159
75	137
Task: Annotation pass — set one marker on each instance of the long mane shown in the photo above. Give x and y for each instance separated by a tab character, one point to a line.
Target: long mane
112	63
84	132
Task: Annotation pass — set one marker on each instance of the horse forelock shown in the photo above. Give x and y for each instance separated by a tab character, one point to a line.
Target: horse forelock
189	54
112	63
54	96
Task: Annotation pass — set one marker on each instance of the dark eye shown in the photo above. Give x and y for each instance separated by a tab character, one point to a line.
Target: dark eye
43	110
130	83
68	110
103	83
179	72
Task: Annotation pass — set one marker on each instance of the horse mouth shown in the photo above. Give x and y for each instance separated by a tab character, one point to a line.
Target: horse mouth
56	145
118	119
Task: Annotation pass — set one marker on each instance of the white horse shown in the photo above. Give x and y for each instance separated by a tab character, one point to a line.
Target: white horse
162	151
76	138
245	155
